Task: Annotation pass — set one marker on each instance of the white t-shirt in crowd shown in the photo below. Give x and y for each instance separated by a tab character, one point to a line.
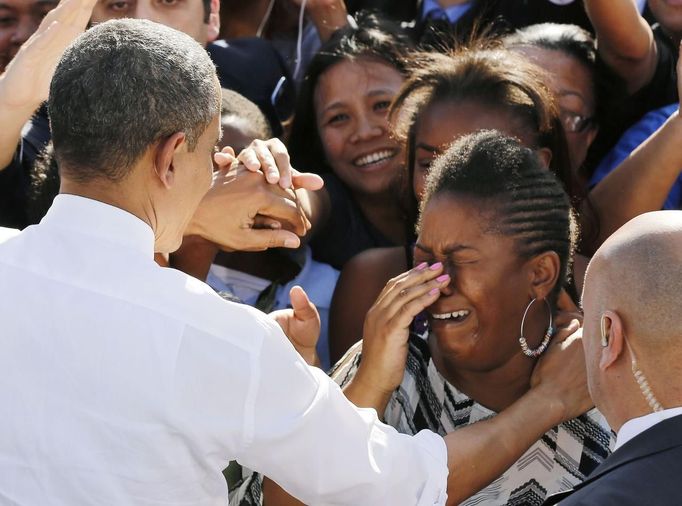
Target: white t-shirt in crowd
126	383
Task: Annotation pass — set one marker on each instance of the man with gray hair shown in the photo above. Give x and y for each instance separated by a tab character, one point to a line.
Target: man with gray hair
633	348
138	384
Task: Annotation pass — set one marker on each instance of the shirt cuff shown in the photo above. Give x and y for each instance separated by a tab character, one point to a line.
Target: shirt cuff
436	452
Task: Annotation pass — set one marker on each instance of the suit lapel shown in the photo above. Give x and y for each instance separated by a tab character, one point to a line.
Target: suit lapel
662	436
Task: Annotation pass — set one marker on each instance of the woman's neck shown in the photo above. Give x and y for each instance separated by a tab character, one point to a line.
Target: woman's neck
496	388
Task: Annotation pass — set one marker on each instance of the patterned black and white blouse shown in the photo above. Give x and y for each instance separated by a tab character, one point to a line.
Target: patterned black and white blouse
562	458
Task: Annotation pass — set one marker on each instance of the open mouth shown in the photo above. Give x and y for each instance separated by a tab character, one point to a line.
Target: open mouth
375	158
455	316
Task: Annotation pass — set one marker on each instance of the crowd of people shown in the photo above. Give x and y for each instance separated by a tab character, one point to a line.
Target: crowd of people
356	252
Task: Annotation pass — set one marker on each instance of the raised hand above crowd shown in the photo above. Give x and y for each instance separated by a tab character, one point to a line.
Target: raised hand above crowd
26	80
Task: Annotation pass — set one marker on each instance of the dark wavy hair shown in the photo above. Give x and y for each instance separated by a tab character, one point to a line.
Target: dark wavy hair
493	77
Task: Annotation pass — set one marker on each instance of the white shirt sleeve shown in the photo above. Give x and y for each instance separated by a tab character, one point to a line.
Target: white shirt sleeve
322	449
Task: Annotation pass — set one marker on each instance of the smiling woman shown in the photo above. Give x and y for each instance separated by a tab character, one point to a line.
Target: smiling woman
341	131
493	288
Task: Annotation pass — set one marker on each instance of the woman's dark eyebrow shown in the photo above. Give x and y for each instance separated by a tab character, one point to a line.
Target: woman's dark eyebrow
455	248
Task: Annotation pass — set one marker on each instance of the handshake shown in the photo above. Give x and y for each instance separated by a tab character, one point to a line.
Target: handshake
257	200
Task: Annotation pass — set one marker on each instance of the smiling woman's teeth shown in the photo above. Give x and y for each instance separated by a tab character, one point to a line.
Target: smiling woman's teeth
379	156
458	315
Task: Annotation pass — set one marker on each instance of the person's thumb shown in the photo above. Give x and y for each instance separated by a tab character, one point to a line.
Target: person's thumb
304	310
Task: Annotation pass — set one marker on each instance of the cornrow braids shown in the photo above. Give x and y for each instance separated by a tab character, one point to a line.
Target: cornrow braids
526	201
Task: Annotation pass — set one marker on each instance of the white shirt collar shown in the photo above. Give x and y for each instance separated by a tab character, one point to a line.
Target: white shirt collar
636	426
95	218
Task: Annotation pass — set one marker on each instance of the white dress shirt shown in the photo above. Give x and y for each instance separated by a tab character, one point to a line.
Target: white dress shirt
636	426
6	233
126	383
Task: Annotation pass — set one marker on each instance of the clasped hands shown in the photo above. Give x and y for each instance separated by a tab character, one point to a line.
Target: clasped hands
252	204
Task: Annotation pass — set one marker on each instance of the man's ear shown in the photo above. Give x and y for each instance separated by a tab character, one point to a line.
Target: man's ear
544	273
612	339
545	156
164	157
213	25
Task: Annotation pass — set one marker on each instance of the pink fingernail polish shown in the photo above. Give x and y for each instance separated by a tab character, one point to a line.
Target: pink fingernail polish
442	278
436	266
434	291
422	266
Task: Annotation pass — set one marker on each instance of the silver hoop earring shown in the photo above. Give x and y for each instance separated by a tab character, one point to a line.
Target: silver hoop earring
548	335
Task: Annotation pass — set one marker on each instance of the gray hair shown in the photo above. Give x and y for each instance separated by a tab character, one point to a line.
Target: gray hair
122	86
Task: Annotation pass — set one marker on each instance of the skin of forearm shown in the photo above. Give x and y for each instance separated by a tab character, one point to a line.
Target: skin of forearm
328	17
642	182
621	30
364	395
480	453
12	118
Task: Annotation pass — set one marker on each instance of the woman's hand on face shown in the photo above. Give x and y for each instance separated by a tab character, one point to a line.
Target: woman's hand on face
560	373
272	158
387	324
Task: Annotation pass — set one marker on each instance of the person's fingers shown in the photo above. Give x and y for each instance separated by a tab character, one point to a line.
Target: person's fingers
266	222
262	239
267	161
229	151
249	159
282	161
402	319
570	329
70	13
304	309
283	209
223	159
306	180
406	294
415	276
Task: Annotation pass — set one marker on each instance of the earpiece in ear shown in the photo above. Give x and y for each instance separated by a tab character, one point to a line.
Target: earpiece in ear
604	336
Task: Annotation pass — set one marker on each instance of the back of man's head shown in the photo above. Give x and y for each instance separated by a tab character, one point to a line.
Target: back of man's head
633	308
633	318
638	271
122	86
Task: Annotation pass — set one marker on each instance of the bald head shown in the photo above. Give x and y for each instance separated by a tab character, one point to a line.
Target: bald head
638	273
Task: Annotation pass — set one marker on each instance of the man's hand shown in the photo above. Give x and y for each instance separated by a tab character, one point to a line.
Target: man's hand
229	214
272	159
301	324
560	373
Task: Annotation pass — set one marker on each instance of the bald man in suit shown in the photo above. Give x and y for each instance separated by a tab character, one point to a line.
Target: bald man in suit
632	340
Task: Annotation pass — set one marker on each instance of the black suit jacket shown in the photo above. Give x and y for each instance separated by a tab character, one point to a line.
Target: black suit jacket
647	470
